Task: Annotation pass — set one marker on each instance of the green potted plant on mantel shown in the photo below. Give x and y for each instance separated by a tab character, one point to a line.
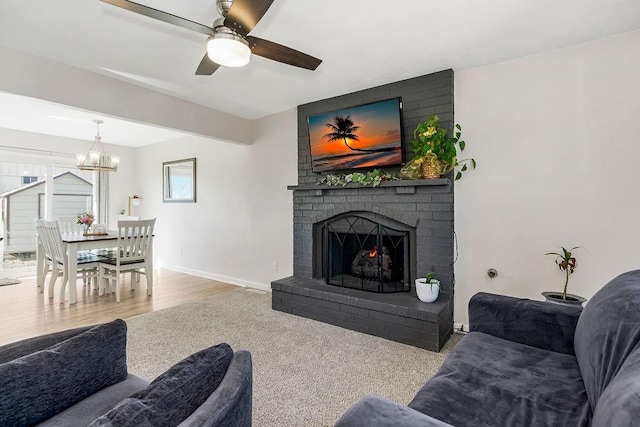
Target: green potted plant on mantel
428	288
566	262
437	152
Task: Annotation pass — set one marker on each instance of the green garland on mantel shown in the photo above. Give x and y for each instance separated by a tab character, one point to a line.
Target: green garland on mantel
373	177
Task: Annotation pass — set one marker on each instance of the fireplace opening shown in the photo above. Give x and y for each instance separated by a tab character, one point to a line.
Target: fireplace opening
362	254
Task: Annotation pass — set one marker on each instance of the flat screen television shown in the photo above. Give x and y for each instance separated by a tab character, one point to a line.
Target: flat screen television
361	137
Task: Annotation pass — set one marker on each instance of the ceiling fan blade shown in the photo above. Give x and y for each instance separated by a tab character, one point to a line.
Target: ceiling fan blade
245	14
206	67
160	15
280	53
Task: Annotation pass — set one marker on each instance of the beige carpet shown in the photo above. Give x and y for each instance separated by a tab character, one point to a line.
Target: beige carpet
305	373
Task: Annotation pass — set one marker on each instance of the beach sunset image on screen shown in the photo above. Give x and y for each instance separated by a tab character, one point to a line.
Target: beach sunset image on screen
365	136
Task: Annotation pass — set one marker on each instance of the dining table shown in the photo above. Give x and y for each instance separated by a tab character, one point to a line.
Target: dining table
75	242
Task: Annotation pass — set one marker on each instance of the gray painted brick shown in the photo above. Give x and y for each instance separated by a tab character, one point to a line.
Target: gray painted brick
405	190
408	205
436	260
434	207
385	198
443	216
403	331
371	324
335	199
397	320
424	232
443	232
442	198
402	206
362	312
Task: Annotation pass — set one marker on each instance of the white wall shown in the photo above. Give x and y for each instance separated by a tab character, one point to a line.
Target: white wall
556	137
242	221
274	165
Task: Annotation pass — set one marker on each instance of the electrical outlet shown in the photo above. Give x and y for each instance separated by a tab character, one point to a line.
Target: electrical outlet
275	266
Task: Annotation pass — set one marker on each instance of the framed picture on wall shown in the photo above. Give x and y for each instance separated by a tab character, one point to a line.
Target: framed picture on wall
179	181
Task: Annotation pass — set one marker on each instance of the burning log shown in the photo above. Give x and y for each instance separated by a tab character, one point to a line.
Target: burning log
371	264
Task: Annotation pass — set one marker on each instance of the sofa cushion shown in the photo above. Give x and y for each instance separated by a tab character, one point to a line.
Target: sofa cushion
175	394
87	410
40	385
375	411
489	381
21	348
608	332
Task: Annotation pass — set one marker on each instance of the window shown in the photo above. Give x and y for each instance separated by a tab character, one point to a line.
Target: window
29	179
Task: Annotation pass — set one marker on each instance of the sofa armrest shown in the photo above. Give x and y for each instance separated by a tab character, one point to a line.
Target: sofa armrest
231	403
375	411
539	324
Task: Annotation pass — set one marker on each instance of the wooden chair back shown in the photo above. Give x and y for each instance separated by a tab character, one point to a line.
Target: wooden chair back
55	240
134	240
43	236
69	224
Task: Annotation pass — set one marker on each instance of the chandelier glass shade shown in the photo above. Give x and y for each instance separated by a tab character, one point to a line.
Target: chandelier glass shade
96	159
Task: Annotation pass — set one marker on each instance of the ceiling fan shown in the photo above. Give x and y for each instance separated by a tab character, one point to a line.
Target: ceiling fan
229	44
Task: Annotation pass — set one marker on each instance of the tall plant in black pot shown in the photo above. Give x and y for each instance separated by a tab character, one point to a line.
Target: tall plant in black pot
567	263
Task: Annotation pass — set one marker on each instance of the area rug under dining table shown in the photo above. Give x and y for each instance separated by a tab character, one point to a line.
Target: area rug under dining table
305	373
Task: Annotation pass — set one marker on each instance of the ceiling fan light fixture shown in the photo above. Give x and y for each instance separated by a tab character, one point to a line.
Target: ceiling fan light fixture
229	43
228	50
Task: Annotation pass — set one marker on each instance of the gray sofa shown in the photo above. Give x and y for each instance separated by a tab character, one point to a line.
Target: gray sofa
79	377
531	363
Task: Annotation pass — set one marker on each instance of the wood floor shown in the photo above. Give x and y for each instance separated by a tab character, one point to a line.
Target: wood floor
26	312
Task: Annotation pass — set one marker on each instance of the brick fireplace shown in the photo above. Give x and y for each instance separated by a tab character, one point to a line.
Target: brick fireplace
410	223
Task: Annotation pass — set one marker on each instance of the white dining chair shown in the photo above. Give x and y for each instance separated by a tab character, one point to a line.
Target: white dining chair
133	254
88	263
69	224
45	244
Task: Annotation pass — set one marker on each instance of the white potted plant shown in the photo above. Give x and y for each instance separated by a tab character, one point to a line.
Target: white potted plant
428	288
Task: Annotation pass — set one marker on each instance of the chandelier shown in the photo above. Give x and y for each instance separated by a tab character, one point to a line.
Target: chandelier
97	159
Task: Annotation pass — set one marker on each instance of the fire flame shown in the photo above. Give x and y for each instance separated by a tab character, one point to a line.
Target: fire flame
373	252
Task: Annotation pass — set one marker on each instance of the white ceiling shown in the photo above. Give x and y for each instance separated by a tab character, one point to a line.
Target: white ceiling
362	43
33	115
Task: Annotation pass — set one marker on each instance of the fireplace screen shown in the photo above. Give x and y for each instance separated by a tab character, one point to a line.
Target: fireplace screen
362	254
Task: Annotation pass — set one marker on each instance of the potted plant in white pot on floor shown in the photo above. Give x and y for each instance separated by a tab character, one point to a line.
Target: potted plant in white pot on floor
428	288
566	262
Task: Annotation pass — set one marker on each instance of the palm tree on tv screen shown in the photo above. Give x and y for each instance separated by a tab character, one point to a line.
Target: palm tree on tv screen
343	129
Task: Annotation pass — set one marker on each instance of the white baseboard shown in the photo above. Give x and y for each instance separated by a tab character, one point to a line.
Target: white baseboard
460	327
220	278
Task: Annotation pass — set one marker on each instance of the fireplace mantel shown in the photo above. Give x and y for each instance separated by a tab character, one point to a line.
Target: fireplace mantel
402	183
